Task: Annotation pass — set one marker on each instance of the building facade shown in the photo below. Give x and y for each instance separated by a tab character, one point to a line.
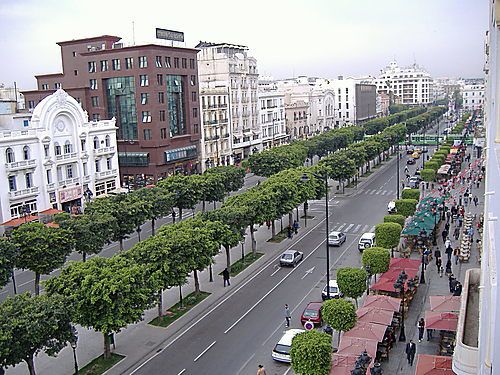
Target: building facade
296	119
272	118
473	97
229	66
54	158
151	91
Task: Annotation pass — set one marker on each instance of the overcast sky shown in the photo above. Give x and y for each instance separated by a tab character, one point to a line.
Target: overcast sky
324	38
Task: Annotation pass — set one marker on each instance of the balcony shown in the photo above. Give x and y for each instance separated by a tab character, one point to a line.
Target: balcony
210	122
18	165
104	150
51	186
104	174
66	157
23	193
466	353
69	182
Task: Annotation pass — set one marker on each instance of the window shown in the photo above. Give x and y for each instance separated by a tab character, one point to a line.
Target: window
161	97
97	166
74	53
146	116
340	105
109	163
195	128
193	80
347	98
57	85
57	149
96	116
129	62
48	173
116	64
167	62
96	143
67	148
12	183
100	189
159	79
26	123
92	67
46	150
85	169
176	105
176	62
29	180
9	155
69	171
95	101
347	114
163	133
184	63
144	80
59	174
83	143
191	64
93	84
346	105
45	86
107	141
195	112
31	104
194	96
162	115
158	61
26	153
147	134
144	98
143	62
75	72
104	65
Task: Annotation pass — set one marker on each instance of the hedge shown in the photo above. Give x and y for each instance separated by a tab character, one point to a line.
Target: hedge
407	207
388	234
400	219
411	194
428	175
377	258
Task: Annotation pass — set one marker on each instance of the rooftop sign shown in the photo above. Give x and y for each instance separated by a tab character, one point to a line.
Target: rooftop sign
176	36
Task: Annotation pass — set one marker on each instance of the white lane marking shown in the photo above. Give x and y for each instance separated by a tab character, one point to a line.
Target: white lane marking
288	370
270	290
206	350
384	192
277	270
372	229
245	364
349	227
357	228
309	271
221	302
342	226
182	372
365	228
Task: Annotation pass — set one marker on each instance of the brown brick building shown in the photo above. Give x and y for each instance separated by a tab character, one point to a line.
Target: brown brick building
151	90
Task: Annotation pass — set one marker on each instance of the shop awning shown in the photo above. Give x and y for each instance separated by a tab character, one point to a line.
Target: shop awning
356	346
442	321
405	263
375	315
428	364
444	169
50	211
445	303
20	220
367	331
393	273
383	302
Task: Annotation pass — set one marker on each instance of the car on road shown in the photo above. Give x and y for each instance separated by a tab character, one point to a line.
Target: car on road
414	182
410	151
367	240
312	313
334	291
291	258
415	155
281	351
336	238
391	207
411	161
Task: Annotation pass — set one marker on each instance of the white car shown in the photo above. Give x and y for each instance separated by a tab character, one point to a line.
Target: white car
291	258
281	351
391	207
334	291
336	238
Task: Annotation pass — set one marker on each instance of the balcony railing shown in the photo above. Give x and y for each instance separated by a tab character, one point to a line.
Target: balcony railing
69	181
210	122
105	150
23	164
66	156
104	174
24	192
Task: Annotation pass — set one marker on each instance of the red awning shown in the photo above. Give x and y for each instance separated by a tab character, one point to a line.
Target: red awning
405	263
19	221
355	346
393	273
442	321
50	211
374	315
433	365
343	364
387	285
370	331
445	303
383	302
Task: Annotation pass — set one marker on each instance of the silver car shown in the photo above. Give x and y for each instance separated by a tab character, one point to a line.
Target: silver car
291	258
336	238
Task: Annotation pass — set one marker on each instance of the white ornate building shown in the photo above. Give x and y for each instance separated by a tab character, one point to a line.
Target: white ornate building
272	118
54	158
473	96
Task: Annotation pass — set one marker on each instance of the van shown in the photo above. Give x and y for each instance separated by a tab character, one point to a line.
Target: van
366	240
281	351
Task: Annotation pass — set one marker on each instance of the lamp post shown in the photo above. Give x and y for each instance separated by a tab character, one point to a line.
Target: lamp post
434	213
399	285
422	274
376	369
364	360
74	343
397	173
368	270
325	179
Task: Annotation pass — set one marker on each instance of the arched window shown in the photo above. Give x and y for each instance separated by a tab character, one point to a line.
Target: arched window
67	147
57	149
9	155
26	153
96	143
108	141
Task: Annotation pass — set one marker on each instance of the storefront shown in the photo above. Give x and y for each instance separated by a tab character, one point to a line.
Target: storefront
71	199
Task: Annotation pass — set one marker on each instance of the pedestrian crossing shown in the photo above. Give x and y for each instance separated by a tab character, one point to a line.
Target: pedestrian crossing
353	228
379	192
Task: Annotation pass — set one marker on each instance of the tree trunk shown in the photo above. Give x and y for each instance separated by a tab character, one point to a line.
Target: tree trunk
297	213
228	258
121	244
180	295
107	345
31	364
14	281
160	303
290	217
153	221
138	230
84	257
196	282
203	204
215	205
273	228
180	213
254	242
37	284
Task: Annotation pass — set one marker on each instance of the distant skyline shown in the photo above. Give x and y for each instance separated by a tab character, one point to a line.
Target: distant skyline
322	38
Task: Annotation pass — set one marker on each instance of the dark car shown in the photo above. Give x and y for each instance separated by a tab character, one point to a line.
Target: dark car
411	161
312	313
410	151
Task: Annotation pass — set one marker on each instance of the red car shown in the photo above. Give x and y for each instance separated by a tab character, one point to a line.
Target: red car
312	312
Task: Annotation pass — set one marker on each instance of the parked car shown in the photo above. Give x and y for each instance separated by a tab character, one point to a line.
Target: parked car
391	207
281	351
415	155
414	182
366	240
411	161
334	291
291	258
312	313
336	238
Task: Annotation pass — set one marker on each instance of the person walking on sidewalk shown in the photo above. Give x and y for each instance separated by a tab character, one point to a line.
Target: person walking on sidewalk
225	276
288	316
447	243
411	349
289	231
456	233
449	252
261	370
475	199
421	328
456	254
295	226
439	265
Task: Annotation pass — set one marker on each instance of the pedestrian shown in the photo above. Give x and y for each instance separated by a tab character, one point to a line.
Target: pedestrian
475	199
429	334
406	169
449	252
456	233
444	233
289	231
439	264
225	276
447	243
451	280
421	327
295	226
456	254
458	289
411	349
261	370
448	268
288	316
437	254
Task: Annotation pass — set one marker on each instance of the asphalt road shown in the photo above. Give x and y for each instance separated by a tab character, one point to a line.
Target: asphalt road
240	331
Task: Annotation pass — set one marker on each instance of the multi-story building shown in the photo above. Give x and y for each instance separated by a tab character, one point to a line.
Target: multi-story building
272	118
411	85
10	95
228	66
296	119
54	158
152	92
473	96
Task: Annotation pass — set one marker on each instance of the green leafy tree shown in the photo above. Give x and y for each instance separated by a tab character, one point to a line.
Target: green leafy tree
400	219
29	325
234	177
274	160
432	165
406	207
90	231
428	175
352	282
339	166
212	188
106	294
186	191
311	353
161	203
410	194
42	249
339	314
8	259
377	258
388	234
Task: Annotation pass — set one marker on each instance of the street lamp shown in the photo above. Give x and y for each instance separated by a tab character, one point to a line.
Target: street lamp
422	274
358	369
368	270
434	213
364	360
399	285
376	369
74	342
324	178
397	173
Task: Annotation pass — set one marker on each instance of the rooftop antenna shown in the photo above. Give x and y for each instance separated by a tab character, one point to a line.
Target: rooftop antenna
414	59
133	33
